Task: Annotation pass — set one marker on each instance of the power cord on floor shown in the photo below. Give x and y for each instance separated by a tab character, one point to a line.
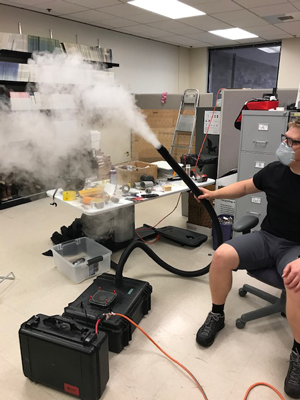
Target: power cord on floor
181	365
145	228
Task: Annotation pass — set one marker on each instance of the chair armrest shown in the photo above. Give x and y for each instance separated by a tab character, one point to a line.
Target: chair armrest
245	224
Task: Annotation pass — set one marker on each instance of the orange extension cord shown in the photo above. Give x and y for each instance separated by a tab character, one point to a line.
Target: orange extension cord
145	228
182	366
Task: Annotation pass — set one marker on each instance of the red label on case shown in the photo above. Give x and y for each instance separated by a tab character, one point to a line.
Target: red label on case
71	389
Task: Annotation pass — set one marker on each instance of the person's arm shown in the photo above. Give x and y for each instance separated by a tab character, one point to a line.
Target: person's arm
233	191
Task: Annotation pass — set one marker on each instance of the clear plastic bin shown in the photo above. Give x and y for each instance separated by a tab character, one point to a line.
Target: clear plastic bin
81	259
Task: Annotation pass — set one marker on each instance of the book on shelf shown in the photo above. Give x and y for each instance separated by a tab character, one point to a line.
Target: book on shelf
89	53
14	72
27	43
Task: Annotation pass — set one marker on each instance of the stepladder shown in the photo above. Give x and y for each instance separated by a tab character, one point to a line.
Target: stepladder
184	133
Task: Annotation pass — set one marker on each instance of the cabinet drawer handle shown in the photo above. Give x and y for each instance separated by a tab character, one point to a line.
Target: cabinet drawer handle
253	213
263	142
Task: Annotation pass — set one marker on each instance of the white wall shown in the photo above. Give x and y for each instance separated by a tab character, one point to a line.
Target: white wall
289	71
146	66
199	69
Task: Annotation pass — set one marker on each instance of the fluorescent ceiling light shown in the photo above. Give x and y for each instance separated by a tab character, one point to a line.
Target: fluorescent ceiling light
233	33
169	8
273	49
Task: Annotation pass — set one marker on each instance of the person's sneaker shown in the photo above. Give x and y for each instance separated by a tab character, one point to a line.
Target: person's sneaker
292	380
207	333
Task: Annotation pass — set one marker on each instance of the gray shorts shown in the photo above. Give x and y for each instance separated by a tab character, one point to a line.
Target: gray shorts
260	249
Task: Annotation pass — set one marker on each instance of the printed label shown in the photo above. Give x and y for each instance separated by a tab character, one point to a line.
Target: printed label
93	269
263	127
259	164
256	200
71	389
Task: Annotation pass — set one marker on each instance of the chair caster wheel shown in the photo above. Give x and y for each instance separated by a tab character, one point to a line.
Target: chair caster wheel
283	314
242	292
240	324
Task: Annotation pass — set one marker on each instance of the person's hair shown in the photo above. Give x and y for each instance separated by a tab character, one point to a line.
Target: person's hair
295	122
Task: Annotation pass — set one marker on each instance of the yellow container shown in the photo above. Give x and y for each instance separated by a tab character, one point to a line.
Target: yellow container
69	195
91	192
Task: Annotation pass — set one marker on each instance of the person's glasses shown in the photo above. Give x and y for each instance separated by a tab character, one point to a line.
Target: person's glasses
290	142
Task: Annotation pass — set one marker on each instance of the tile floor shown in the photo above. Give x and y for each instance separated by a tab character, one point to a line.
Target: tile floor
237	359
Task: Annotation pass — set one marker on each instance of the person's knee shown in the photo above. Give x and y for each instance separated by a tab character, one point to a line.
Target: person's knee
225	257
293	297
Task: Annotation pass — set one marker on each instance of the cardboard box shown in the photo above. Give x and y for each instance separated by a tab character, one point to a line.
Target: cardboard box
197	213
129	173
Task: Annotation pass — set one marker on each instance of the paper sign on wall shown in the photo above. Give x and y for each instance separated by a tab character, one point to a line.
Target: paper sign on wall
214	128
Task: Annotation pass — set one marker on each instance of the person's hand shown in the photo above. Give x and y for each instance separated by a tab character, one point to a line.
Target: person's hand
206	194
291	275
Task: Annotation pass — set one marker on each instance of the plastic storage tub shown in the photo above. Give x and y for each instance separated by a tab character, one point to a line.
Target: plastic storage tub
81	259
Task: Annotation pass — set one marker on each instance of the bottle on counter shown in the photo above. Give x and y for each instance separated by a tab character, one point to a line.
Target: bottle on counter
113	175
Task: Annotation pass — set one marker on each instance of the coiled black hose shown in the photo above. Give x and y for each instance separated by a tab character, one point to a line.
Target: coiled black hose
126	253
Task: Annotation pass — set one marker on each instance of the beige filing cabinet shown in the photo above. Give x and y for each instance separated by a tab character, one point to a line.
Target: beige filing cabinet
260	137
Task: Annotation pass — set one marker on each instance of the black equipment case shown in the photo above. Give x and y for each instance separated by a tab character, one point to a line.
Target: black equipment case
60	353
132	299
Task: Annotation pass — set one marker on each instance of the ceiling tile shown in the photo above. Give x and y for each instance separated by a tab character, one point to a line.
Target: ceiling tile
297	4
59	7
235	16
146	18
220	6
145	30
168	24
293	28
123	10
90	16
197	2
184	41
184	30
275	9
251	22
94	3
117	23
253	40
271	36
258	3
25	3
205	22
260	30
211	39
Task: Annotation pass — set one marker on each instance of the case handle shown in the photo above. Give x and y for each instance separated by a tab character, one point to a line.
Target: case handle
94	260
65	324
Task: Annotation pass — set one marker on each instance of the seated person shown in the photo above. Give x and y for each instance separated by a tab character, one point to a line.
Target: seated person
276	245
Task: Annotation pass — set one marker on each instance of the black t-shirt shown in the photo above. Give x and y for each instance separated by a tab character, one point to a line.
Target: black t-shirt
282	188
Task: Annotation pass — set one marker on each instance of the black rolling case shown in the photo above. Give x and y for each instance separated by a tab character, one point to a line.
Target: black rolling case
132	299
62	354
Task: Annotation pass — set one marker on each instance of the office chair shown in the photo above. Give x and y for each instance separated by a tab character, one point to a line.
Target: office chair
270	276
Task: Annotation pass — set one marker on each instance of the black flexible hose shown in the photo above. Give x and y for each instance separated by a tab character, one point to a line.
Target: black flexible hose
126	253
194	188
197	192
